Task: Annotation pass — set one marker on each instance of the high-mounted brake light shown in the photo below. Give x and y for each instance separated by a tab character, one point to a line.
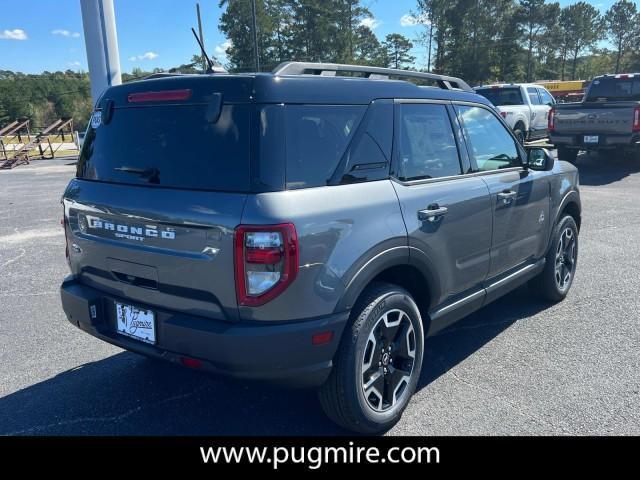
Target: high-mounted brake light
161	96
551	122
266	261
636	119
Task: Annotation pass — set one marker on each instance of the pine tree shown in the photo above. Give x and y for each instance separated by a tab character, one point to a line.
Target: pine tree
398	49
622	22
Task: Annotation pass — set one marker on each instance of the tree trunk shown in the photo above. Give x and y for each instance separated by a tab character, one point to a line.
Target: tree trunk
575	64
618	57
529	53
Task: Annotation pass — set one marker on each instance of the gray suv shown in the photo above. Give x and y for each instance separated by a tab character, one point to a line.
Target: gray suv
309	227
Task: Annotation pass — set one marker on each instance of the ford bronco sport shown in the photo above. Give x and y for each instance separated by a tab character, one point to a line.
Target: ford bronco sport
310	226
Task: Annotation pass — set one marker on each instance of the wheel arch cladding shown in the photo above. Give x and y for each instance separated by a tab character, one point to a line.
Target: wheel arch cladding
570	204
571	208
395	270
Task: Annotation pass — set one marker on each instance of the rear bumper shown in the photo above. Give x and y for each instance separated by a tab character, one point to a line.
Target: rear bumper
280	352
605	141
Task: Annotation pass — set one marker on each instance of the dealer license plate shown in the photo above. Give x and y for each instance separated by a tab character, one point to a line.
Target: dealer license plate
136	323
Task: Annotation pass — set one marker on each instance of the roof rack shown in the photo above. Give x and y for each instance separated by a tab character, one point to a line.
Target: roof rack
330	69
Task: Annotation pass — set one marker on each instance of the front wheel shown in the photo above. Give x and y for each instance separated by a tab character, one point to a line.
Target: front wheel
554	282
378	362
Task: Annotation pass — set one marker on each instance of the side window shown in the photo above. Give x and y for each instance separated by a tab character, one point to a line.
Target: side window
546	97
316	138
533	96
489	142
426	145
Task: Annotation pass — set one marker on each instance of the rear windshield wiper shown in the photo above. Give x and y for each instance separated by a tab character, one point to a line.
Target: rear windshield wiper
152	174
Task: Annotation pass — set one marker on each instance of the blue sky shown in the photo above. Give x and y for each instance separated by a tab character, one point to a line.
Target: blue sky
38	35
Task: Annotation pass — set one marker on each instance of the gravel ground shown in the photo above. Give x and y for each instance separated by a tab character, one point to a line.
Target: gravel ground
517	366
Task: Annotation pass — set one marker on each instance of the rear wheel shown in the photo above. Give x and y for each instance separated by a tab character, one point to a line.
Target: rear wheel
378	362
568	154
556	279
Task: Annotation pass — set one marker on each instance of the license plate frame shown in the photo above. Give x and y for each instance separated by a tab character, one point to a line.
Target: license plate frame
136	323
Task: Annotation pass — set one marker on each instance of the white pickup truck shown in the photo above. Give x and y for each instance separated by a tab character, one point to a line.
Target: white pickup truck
524	106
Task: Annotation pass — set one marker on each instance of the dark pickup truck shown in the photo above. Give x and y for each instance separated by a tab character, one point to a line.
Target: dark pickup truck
607	119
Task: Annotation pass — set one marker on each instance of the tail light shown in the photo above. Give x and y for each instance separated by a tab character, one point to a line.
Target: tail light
266	261
552	120
636	119
503	114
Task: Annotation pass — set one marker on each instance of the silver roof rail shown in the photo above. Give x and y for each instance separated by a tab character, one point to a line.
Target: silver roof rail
330	69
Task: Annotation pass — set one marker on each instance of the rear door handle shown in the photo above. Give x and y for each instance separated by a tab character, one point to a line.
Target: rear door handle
432	213
507	196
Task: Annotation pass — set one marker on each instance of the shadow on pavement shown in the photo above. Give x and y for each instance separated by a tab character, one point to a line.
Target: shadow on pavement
451	346
126	394
605	168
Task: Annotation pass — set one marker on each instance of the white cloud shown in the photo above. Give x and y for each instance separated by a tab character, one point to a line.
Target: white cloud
221	50
15	34
65	33
74	64
370	23
409	20
144	56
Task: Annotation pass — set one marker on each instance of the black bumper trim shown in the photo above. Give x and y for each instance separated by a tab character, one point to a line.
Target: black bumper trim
279	353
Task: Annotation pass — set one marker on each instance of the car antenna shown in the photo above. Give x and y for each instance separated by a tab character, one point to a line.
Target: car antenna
210	69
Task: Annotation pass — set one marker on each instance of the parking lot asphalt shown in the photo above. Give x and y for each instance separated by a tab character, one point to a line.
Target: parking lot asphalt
518	366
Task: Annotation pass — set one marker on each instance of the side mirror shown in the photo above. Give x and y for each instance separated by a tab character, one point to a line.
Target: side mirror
539	158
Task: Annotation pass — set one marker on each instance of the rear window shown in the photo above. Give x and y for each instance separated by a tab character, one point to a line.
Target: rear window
614	89
316	138
502	96
171	146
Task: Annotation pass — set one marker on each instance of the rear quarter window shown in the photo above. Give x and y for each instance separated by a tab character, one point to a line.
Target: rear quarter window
316	138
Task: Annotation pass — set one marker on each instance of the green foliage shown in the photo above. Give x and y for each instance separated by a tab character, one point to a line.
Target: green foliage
622	22
508	40
44	98
397	48
583	27
305	30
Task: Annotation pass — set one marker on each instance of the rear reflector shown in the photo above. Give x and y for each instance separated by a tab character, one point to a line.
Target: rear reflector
191	362
322	338
267	256
162	96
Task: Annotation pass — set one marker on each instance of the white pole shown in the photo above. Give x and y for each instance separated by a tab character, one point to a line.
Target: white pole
101	41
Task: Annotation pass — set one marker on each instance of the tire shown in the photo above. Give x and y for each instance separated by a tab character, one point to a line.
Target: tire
552	283
520	133
351	396
568	154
